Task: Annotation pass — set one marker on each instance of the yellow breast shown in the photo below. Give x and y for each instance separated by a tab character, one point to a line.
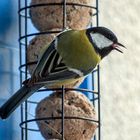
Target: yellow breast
77	51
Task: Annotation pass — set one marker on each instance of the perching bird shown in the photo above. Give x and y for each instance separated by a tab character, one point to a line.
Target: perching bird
71	55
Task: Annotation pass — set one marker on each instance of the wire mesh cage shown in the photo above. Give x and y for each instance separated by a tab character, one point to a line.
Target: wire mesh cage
26	33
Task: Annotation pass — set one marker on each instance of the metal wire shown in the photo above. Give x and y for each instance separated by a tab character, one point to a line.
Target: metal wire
22	124
63	114
26	43
55	4
23	42
20	61
98	78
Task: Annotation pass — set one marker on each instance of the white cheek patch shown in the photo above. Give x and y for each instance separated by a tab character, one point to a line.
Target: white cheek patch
100	40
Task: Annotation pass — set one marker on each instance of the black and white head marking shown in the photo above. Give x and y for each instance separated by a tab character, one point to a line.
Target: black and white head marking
102	37
102	40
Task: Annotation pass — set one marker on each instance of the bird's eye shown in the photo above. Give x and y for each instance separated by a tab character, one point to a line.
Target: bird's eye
110	37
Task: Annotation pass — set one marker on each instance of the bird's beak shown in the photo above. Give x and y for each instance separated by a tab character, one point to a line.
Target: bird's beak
116	46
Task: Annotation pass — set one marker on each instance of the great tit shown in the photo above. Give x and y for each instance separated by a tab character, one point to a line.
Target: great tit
73	54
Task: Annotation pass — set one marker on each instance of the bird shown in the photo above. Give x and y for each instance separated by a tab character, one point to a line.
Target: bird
72	55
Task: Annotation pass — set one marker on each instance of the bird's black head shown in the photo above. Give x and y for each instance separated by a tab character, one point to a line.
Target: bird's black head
103	40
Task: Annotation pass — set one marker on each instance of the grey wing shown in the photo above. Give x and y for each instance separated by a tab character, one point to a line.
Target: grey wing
52	68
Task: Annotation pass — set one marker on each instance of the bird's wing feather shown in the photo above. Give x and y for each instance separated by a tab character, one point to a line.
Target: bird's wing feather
51	66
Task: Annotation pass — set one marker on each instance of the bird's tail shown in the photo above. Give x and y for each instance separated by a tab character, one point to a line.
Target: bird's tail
20	96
